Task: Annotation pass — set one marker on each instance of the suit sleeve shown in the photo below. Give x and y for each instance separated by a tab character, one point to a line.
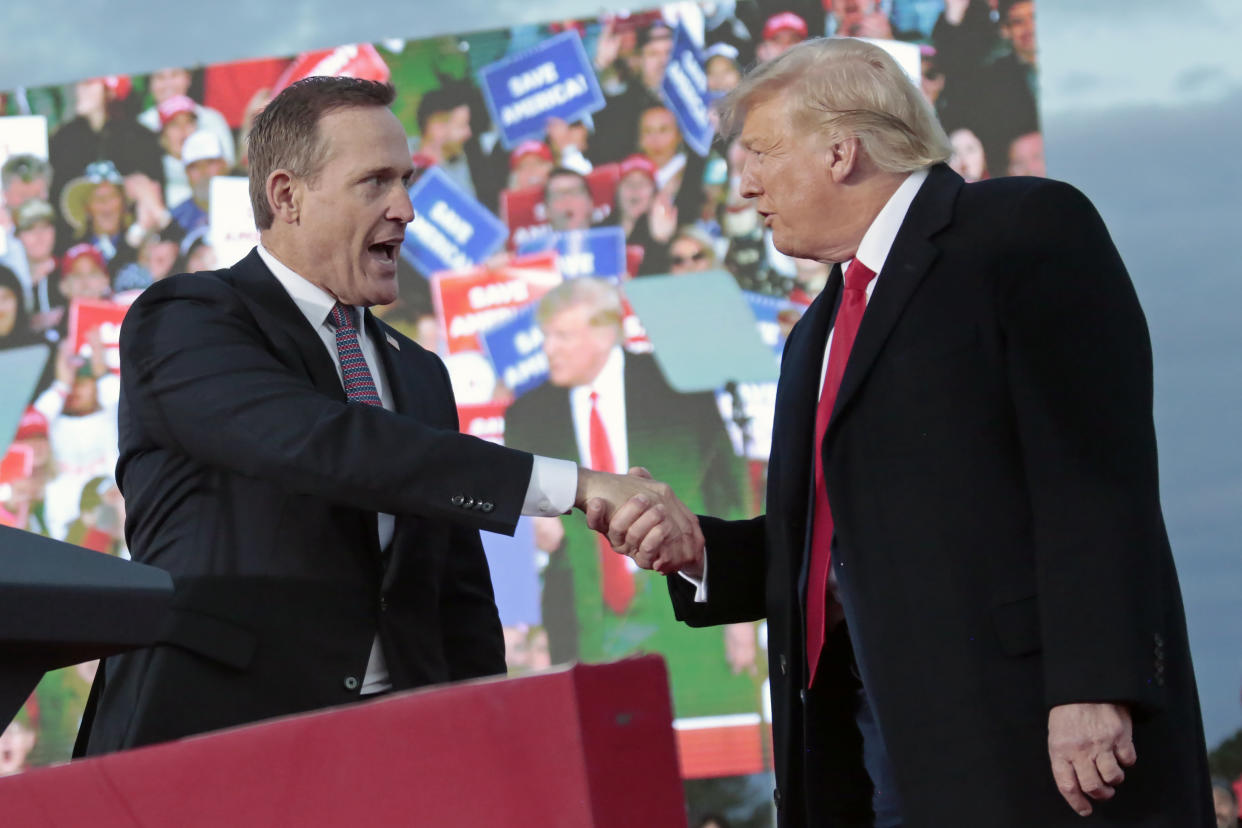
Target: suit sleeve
200	378
1079	362
735	575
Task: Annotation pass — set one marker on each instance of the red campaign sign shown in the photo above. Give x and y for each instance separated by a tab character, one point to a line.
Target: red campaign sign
523	212
470	301
17	464
356	60
87	314
486	420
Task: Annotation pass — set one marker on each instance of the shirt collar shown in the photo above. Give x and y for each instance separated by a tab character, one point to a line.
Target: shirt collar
314	302
878	240
610	381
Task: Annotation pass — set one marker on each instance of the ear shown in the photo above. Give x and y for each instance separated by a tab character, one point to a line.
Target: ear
284	196
843	158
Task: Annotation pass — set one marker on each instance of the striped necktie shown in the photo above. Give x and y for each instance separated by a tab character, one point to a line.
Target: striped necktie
359	386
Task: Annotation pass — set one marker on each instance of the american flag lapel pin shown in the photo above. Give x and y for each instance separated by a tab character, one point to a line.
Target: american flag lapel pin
392	341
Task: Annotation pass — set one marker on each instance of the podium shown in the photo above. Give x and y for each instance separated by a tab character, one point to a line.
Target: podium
588	746
61	604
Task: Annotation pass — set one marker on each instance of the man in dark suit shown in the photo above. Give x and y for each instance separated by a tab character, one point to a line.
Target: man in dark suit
599	407
973	614
295	463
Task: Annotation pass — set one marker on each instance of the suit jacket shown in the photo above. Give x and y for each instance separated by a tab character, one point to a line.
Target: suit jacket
991	466
681	440
248	476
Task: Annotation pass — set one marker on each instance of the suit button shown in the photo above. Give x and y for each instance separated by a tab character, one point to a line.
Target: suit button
351	683
469	503
776	796
802	695
383	604
784	665
457	500
485	507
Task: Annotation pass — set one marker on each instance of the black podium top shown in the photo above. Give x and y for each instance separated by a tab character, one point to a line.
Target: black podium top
61	604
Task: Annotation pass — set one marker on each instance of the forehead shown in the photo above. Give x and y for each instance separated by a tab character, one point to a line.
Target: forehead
766	122
364	137
566	185
657	117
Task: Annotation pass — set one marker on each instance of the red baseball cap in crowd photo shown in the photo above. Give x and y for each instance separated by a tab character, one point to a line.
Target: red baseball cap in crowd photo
32	424
78	251
174	106
526	148
638	163
784	22
118	85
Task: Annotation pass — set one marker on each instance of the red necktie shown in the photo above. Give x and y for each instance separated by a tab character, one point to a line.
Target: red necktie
615	577
844	331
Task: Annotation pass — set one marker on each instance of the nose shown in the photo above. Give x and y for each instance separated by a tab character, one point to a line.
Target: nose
399	208
749	183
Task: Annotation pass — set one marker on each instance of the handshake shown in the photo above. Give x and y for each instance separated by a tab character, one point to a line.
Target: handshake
643	519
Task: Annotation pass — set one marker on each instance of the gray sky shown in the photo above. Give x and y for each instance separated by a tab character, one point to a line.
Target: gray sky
1142	103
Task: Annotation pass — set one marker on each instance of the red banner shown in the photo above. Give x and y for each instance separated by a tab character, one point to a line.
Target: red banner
470	301
486	420
86	315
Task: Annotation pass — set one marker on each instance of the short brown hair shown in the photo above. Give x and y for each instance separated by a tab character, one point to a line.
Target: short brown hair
286	135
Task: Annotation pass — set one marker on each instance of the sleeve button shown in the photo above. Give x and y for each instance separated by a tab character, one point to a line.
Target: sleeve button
457	500
351	683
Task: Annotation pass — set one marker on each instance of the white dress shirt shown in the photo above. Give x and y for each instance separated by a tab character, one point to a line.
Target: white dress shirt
873	252
553	483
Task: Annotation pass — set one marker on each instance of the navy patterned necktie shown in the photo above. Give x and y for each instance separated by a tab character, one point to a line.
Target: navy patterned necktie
359	386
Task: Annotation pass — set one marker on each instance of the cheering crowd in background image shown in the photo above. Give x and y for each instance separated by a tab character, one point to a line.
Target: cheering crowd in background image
120	194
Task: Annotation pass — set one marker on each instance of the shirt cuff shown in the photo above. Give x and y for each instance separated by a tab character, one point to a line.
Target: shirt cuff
700	585
553	485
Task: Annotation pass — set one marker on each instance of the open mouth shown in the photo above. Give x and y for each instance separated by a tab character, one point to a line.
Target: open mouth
385	252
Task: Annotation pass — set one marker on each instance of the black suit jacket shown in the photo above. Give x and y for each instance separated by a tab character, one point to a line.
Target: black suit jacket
248	476
991	465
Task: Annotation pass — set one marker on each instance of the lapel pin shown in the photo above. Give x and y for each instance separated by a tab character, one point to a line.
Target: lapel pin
392	341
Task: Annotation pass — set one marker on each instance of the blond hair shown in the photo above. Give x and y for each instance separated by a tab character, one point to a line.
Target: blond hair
845	88
598	295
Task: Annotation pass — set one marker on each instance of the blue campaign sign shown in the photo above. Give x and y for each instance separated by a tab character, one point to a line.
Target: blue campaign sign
685	92
554	79
450	230
516	349
599	251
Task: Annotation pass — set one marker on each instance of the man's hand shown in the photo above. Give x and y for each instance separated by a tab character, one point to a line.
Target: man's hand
643	519
1089	744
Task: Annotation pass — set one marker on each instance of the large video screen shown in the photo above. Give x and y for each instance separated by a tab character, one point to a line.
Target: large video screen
575	150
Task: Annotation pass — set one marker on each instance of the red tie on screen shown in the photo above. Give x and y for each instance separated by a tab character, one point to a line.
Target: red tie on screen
359	386
844	331
615	576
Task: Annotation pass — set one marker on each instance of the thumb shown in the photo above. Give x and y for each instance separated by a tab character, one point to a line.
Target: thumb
596	516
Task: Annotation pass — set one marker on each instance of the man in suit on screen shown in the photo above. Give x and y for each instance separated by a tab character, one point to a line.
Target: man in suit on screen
295	463
601	406
973	614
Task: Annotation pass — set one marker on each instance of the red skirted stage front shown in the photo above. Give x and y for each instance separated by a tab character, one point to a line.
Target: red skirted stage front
586	747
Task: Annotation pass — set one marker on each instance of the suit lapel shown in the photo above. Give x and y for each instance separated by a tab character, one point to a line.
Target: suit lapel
908	262
402	386
282	322
793	432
